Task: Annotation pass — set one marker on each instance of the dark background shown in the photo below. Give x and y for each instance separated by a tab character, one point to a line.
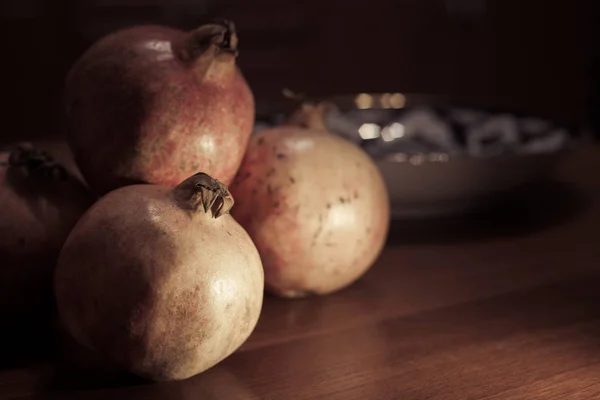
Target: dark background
532	55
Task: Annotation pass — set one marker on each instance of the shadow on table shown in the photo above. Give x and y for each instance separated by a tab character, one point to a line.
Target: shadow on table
533	208
24	343
57	362
79	373
78	368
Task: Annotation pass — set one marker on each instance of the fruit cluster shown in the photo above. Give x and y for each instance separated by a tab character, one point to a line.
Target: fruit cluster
149	262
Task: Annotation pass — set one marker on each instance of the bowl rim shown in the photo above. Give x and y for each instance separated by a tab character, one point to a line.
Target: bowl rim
440	158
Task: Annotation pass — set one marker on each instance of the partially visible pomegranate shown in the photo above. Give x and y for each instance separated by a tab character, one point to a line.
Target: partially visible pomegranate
314	204
154	104
40	203
59	149
163	282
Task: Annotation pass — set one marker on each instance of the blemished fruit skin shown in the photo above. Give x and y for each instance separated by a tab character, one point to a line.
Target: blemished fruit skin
315	206
163	282
152	104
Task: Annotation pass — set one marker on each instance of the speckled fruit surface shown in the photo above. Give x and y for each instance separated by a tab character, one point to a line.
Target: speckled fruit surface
151	104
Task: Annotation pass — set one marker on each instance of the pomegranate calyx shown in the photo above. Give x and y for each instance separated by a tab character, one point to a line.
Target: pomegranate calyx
210	40
35	162
200	192
228	41
311	115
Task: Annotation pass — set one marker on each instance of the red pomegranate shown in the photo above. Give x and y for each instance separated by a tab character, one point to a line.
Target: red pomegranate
155	104
41	202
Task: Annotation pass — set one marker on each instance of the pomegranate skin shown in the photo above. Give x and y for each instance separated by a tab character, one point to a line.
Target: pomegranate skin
162	282
316	207
38	212
154	104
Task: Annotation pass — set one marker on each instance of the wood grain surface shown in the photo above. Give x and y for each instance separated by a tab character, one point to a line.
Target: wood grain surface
505	305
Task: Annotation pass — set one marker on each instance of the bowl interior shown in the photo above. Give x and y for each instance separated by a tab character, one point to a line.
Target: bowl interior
394	126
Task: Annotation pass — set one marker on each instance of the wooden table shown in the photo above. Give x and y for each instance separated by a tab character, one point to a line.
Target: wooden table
505	306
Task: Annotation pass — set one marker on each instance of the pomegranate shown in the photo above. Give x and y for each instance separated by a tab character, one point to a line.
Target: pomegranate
59	149
314	204
151	104
40	203
162	281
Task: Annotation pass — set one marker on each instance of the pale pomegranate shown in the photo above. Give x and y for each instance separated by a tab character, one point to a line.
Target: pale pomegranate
154	104
163	282
315	206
